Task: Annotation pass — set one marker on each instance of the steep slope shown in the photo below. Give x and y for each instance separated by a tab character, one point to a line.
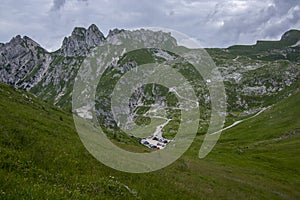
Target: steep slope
266	146
253	83
42	158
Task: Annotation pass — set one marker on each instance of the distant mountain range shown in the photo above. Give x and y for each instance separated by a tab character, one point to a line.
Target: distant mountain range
254	75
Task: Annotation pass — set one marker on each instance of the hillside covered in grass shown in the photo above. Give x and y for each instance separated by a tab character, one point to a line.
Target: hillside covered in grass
42	157
287	48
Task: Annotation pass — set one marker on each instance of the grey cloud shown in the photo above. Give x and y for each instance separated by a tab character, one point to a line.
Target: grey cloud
214	23
253	20
57	4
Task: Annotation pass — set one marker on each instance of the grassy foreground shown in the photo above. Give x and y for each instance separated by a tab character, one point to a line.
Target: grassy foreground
42	157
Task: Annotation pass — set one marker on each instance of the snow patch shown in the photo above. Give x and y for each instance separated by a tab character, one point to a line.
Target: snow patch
296	44
237	77
256	90
84	112
162	54
251	67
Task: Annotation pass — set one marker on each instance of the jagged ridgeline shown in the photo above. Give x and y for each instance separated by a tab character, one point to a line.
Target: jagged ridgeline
254	75
49	75
151	94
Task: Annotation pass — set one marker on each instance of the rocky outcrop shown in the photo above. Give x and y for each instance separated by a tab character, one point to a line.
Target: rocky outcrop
81	41
114	32
26	65
20	57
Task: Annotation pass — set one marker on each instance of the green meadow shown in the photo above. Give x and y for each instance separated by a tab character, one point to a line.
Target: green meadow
42	157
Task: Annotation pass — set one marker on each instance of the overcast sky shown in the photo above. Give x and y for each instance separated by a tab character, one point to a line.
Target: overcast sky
215	23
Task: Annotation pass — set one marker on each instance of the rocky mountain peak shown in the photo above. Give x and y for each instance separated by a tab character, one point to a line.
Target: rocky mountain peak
25	42
18	58
149	38
114	32
17	46
15	40
78	32
30	41
94	36
81	41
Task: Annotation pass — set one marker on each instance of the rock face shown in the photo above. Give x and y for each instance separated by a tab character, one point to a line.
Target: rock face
114	32
26	65
81	41
19	57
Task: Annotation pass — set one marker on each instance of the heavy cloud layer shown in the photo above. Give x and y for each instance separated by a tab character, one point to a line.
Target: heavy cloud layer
215	23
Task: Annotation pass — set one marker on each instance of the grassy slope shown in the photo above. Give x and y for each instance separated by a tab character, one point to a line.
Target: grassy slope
42	157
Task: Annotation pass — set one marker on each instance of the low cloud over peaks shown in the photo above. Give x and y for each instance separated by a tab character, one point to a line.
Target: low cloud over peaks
214	23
